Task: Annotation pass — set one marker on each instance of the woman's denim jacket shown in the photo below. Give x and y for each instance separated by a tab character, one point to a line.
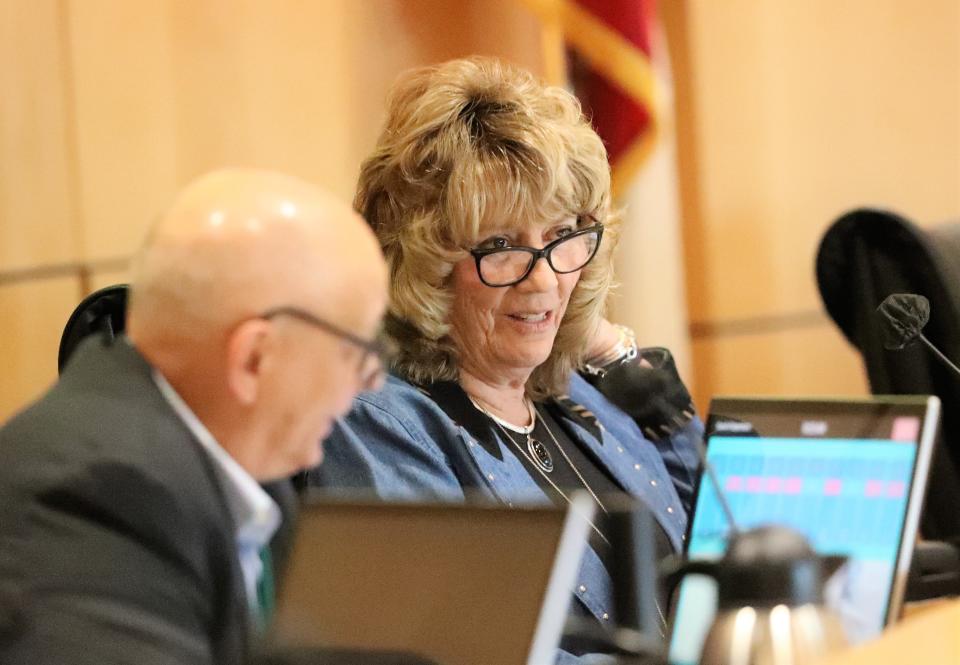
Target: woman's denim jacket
398	444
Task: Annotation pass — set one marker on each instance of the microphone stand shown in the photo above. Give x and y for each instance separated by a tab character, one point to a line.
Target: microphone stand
938	353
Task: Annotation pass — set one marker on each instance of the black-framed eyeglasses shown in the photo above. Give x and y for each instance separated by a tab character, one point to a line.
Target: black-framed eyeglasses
506	266
373	360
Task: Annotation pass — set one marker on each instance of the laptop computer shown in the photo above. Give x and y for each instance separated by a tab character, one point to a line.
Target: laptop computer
848	474
458	584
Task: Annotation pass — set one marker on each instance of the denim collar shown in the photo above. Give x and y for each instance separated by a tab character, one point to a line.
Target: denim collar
454	401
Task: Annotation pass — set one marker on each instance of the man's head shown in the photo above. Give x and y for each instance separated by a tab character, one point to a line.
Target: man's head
238	245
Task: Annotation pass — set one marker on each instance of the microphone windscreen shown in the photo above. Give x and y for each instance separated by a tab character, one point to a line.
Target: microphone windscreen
903	316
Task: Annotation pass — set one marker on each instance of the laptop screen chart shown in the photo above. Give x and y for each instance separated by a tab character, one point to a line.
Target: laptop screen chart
847	496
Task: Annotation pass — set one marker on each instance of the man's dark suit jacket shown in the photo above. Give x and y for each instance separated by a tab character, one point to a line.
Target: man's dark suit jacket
116	542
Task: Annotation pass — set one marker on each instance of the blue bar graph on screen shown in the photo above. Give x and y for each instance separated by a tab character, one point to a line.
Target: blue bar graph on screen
848	496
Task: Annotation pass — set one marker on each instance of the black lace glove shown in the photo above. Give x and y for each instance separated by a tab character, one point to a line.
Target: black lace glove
649	390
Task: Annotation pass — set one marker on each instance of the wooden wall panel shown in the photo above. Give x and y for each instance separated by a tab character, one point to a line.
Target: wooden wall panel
107	107
802	110
789	114
101	278
390	36
32	337
125	115
185	87
813	360
37	204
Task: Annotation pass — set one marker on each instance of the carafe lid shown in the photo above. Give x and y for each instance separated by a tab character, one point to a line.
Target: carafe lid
772	565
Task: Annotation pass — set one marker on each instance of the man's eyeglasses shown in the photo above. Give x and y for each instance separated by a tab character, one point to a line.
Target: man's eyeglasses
373	361
506	266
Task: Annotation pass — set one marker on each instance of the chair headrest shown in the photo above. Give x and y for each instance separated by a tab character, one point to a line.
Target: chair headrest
841	261
103	311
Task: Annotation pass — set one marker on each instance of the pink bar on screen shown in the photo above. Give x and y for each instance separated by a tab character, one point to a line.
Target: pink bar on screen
793	485
773	485
874	488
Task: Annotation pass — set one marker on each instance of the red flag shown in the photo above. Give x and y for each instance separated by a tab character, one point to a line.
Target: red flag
621	119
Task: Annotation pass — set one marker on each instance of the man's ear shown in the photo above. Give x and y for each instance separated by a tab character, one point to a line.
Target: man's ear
246	349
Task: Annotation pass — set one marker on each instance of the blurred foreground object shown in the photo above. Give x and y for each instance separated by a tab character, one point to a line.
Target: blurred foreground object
770	601
930	637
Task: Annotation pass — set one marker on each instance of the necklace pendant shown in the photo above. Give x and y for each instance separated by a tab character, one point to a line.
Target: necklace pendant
539	454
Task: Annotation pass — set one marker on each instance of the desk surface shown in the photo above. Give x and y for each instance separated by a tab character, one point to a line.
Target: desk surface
928	635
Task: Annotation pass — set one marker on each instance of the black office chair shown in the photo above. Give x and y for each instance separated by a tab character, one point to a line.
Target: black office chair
865	256
103	311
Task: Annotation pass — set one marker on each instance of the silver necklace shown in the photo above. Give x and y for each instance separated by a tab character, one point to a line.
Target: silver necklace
527	457
573	466
529	429
537	453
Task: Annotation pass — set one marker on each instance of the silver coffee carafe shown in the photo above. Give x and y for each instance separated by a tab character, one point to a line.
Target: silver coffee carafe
770	601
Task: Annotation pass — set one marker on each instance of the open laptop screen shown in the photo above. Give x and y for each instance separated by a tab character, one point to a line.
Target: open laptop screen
460	584
849	475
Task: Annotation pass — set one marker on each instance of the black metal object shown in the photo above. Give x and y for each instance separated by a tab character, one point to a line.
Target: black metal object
103	311
638	638
763	567
934	571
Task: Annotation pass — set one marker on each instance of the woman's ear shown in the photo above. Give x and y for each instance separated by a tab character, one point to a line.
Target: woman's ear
246	350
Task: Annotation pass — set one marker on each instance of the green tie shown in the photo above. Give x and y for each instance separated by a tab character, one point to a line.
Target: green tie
265	591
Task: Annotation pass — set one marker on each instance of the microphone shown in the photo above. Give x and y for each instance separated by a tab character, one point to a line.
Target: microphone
903	316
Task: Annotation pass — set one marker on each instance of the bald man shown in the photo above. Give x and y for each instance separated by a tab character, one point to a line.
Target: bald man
133	526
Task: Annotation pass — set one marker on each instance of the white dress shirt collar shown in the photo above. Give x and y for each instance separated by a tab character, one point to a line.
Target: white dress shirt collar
255	514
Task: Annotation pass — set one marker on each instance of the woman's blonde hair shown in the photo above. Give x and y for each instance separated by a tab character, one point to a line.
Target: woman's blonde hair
468	144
